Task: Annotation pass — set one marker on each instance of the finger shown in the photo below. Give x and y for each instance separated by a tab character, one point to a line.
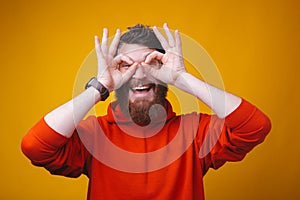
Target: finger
114	44
178	40
152	72
155	55
98	48
104	45
161	38
169	35
100	58
129	73
121	58
97	45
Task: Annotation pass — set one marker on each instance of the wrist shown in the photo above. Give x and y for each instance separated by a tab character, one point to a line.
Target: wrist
95	93
98	87
181	80
103	81
186	82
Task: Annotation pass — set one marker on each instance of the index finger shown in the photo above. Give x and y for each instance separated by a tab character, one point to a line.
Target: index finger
121	58
152	56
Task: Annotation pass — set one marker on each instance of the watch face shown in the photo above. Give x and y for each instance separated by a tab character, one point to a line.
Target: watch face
95	83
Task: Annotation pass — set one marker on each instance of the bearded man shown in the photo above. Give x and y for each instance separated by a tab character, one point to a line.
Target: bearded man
141	149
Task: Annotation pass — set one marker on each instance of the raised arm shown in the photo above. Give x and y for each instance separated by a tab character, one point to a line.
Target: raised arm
49	141
66	117
173	72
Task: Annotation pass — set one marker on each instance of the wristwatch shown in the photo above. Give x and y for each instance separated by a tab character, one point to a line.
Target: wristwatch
104	93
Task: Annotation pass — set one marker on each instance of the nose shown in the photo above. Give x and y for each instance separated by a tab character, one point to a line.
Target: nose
139	72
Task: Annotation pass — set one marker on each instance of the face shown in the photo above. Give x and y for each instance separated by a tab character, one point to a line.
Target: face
142	91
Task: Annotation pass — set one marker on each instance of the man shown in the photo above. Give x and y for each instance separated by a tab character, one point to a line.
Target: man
141	149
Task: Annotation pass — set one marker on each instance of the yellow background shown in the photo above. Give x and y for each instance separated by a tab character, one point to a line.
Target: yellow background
255	45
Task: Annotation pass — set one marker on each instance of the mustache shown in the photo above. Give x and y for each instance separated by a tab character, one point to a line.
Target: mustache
133	82
140	82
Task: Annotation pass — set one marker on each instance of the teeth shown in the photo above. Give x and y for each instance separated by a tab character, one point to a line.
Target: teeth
141	88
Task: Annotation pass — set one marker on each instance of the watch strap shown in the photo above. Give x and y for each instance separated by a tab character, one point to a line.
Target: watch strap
104	93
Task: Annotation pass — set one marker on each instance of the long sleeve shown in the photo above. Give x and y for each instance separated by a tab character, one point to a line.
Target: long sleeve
232	138
58	154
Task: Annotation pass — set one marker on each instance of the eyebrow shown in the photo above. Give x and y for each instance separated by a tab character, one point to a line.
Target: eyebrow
144	56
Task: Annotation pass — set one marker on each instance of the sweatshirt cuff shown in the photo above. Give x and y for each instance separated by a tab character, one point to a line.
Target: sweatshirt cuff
46	134
241	114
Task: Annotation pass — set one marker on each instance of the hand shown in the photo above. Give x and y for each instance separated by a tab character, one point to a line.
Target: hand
108	65
172	61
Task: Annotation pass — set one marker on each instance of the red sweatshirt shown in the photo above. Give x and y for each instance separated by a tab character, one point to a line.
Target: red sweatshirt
165	160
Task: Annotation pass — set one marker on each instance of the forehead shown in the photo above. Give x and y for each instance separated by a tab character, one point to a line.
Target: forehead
137	53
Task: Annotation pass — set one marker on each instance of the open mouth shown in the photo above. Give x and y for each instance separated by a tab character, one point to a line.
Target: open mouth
142	88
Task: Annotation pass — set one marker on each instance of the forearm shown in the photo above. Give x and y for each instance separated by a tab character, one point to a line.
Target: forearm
220	101
66	117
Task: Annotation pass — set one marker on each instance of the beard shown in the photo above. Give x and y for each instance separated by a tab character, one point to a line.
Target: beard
142	110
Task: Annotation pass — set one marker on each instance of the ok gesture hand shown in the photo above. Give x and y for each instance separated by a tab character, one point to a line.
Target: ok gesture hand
108	65
172	61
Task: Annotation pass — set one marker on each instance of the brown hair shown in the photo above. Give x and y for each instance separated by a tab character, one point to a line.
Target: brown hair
142	35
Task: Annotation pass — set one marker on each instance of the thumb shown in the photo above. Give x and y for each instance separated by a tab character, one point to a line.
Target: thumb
150	70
